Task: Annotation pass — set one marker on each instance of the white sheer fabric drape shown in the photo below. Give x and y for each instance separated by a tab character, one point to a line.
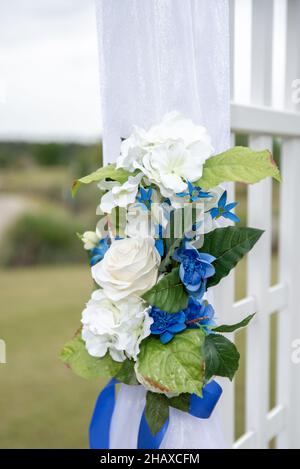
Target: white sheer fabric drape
157	56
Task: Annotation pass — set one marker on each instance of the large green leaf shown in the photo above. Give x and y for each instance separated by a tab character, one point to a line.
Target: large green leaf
238	164
176	367
168	294
225	328
221	357
75	355
228	245
157	411
107	172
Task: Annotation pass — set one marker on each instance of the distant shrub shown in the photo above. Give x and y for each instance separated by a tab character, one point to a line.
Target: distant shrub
42	237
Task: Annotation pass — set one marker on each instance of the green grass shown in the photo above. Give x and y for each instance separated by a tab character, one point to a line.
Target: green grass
42	404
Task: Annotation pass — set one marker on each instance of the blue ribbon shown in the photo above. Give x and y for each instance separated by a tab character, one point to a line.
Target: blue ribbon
201	407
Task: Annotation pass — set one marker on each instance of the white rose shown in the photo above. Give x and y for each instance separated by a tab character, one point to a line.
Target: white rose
129	267
120	195
117	327
90	240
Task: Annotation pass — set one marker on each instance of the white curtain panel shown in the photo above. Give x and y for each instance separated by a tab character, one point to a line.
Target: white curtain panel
157	56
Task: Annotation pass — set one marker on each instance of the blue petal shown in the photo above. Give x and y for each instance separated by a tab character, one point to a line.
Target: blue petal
166	337
222	200
176	328
182	194
95	259
209	271
214	212
190	187
203	256
230	206
159	244
231	216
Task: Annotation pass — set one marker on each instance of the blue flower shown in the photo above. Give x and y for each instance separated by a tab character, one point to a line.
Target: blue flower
199	314
224	210
166	325
99	251
195	193
144	197
195	268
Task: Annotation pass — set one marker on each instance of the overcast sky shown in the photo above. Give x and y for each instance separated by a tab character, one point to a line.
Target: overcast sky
49	79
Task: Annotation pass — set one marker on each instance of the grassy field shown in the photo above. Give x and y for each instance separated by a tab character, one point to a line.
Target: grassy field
43	405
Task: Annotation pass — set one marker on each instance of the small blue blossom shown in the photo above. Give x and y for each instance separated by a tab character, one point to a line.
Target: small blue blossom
195	193
195	268
224	210
99	251
144	197
199	314
166	325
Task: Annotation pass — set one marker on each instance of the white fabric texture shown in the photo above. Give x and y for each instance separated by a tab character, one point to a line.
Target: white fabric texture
157	56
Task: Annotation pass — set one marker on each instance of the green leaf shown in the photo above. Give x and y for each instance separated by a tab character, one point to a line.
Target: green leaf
228	245
221	357
168	294
238	164
107	172
181	402
157	411
74	354
233	327
176	367
126	374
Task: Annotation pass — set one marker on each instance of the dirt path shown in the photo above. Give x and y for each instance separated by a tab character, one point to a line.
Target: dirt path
10	207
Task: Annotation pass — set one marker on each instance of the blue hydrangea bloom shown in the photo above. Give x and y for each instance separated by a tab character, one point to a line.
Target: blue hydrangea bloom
195	268
99	251
195	193
166	325
199	314
224	210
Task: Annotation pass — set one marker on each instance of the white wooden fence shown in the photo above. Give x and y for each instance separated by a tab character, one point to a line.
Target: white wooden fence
265	62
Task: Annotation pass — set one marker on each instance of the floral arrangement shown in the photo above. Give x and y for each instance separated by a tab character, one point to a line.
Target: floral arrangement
165	236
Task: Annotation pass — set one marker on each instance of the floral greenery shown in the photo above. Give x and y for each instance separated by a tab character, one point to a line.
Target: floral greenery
150	323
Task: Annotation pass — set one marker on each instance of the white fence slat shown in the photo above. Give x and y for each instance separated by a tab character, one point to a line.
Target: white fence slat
261	60
279	53
258	333
288	378
224	299
292	51
242	51
265	121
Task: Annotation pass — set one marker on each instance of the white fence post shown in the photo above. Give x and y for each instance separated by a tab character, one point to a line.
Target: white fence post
289	319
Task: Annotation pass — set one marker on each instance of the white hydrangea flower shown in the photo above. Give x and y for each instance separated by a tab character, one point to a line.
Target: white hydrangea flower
120	195
117	327
90	240
169	153
129	267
